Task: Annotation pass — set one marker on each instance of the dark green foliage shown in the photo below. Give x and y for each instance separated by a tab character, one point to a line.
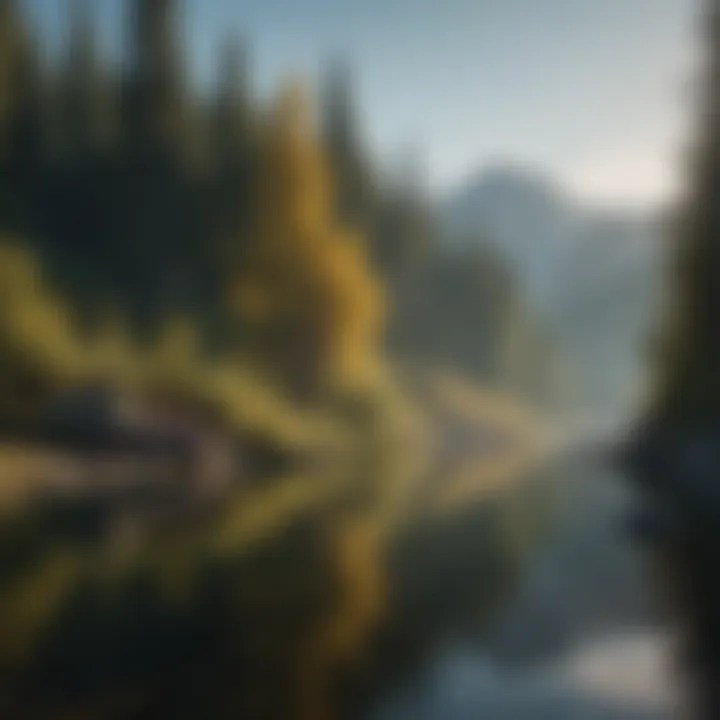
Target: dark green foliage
690	388
355	190
110	178
674	456
142	198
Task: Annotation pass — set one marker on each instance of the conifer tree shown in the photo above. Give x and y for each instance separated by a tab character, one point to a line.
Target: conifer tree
23	105
234	135
307	288
349	163
233	112
155	103
156	238
674	457
691	387
85	92
8	46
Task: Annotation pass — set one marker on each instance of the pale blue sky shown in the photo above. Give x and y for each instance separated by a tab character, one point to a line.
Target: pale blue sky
595	92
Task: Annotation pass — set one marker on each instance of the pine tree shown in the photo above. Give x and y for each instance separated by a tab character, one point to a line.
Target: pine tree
155	104
11	40
85	91
674	457
24	139
78	203
306	289
354	194
157	236
692	385
233	116
233	131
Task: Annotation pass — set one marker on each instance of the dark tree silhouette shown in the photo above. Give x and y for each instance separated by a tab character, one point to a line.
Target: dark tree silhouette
675	456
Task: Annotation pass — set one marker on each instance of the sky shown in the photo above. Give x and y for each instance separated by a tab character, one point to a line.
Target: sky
595	93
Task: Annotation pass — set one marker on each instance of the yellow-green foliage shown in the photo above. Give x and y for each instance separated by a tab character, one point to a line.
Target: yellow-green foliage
37	334
307	288
32	322
304	295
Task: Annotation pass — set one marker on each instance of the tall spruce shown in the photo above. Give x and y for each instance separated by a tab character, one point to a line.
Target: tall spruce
87	117
675	457
156	236
24	134
9	32
155	105
691	387
348	161
233	115
234	140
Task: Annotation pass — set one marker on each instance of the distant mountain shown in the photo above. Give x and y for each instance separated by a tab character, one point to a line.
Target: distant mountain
592	274
526	216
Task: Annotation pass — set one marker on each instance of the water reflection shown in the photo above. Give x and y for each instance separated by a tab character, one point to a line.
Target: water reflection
300	603
622	678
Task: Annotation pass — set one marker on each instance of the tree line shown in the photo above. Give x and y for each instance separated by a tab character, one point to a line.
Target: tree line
275	237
